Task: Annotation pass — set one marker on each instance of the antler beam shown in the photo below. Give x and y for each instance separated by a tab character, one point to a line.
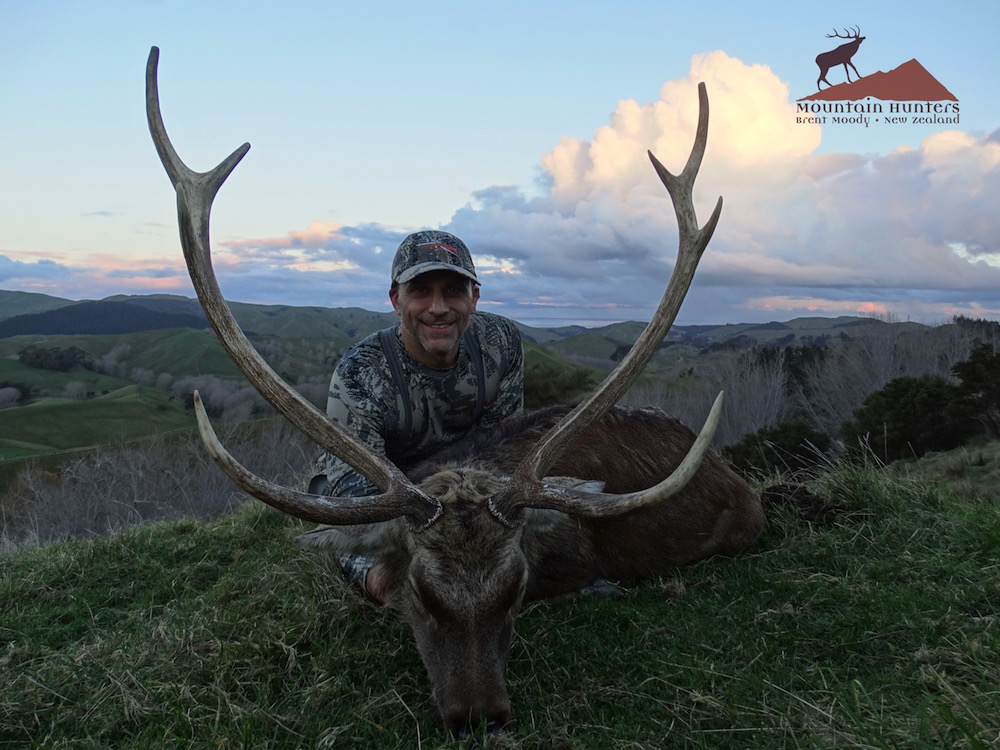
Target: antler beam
195	193
527	490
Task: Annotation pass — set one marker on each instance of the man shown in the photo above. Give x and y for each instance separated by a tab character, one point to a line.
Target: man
443	371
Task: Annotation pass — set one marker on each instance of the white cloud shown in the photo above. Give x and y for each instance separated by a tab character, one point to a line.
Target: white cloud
863	232
801	232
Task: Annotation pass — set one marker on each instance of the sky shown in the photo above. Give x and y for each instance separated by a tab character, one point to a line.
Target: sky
521	127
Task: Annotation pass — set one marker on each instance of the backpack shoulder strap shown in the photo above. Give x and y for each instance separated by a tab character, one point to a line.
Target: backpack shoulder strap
471	342
386	338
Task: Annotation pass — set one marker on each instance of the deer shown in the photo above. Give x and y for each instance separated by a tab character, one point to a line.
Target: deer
533	509
840	56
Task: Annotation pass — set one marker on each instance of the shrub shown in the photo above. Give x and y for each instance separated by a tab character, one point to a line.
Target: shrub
909	417
980	386
546	383
55	358
792	445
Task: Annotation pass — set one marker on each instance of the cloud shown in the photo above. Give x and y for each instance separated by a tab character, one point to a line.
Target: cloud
912	232
46	270
316	235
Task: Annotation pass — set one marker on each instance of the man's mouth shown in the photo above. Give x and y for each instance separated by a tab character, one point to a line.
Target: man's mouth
438	326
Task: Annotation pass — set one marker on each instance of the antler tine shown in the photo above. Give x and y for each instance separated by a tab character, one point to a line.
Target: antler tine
317	508
602	504
195	193
527	488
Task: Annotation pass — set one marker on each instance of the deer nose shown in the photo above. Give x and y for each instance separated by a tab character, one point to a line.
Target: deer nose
464	729
476	722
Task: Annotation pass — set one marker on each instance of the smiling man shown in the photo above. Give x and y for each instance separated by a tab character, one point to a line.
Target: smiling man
443	371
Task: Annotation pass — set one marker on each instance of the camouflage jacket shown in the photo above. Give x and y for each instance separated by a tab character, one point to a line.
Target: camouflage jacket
485	386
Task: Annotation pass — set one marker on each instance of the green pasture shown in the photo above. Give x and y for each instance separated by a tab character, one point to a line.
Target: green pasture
53	425
878	630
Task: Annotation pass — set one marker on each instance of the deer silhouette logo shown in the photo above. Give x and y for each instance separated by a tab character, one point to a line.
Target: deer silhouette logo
840	56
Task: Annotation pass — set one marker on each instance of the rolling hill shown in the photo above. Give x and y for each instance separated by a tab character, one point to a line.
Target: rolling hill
23	314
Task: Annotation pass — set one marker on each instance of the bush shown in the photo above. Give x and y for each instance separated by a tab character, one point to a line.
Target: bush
909	417
55	358
791	446
546	384
980	386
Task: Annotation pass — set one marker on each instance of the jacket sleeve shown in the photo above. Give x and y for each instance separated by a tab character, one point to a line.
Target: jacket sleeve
358	401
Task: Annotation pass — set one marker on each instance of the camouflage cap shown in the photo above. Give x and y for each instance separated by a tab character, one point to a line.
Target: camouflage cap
431	250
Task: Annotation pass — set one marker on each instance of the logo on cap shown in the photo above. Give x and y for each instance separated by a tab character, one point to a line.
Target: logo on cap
437	252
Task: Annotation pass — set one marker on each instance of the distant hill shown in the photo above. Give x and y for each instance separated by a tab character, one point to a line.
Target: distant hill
29	315
28	303
97	317
338	328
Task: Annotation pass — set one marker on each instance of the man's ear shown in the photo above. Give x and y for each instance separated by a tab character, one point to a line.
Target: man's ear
394	298
475	296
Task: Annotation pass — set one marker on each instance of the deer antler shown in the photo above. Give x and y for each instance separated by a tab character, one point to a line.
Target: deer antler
195	193
855	35
526	489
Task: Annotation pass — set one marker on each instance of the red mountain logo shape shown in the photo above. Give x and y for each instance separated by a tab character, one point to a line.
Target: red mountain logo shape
909	82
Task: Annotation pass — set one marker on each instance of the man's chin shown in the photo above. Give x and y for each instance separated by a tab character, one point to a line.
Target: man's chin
439	346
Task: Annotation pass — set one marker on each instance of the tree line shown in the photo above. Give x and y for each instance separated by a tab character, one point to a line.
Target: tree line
889	394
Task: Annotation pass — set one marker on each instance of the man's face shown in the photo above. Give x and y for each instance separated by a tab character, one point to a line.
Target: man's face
435	308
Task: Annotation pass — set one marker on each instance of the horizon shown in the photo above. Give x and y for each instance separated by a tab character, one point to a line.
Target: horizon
522	130
544	323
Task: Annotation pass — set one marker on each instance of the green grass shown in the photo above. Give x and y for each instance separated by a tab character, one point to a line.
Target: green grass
50	383
877	631
971	471
177	351
53	425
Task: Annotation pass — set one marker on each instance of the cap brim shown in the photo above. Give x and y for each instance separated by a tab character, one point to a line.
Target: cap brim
421	268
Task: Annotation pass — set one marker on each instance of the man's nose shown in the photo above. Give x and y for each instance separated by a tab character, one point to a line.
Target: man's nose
438	303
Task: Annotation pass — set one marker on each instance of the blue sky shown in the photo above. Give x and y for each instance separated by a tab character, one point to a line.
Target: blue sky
522	127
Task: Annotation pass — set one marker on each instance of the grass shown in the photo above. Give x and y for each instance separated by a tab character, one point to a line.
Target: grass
878	631
51	383
53	425
971	471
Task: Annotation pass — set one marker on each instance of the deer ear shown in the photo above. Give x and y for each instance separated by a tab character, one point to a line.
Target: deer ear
372	540
544	521
584	485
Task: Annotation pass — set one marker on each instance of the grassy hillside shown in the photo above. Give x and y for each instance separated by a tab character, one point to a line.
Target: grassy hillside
177	351
340	325
878	630
51	383
27	303
114	413
56	424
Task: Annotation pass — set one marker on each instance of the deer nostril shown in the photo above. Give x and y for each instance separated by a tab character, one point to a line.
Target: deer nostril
464	732
463	729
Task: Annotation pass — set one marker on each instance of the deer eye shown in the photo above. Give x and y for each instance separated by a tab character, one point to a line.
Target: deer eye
427	600
511	593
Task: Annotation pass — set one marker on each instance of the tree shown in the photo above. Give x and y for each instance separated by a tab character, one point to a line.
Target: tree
909	417
9	396
838	383
979	388
75	390
55	358
547	383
